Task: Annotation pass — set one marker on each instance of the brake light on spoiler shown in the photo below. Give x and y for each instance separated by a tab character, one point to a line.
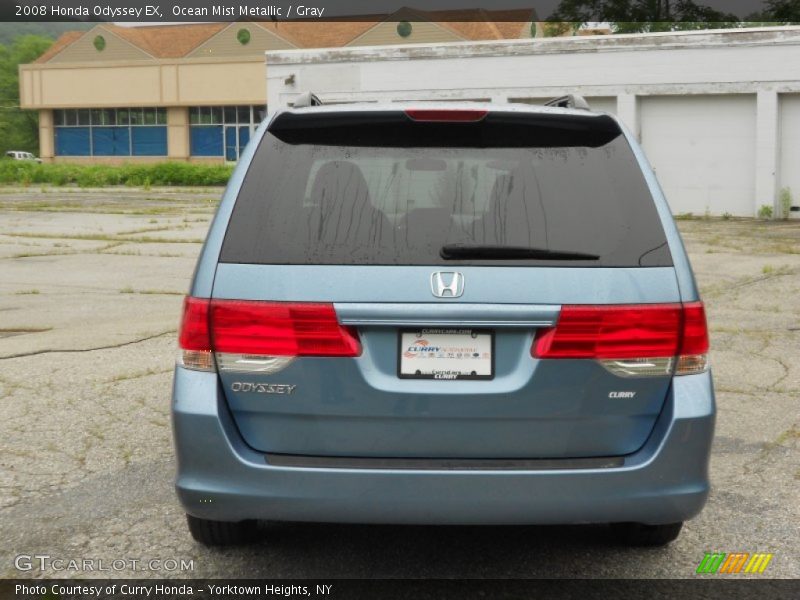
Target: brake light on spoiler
257	336
454	115
630	340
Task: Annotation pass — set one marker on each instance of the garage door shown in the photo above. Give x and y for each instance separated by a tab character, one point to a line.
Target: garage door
790	145
703	151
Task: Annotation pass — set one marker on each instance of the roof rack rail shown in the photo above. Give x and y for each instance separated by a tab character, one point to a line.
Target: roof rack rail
569	101
306	99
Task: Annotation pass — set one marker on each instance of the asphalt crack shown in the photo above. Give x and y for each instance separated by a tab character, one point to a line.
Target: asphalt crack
748	282
76	350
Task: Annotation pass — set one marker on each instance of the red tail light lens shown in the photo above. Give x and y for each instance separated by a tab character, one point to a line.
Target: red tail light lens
280	329
444	115
612	332
695	330
633	337
194	334
194	338
252	334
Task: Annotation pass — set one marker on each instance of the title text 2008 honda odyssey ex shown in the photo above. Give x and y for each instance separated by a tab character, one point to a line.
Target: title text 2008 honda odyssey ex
444	314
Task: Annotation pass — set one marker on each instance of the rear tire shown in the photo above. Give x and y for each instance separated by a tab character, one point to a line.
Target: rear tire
222	533
640	534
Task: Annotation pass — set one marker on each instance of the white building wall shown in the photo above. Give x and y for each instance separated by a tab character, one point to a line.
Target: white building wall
708	106
789	166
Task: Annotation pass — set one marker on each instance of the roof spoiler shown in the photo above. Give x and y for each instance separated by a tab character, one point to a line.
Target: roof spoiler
307	99
569	101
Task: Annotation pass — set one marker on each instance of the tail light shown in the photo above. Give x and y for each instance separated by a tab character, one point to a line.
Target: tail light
194	339
457	115
630	340
259	336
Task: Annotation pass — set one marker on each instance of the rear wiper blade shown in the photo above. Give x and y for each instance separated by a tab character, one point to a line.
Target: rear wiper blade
492	252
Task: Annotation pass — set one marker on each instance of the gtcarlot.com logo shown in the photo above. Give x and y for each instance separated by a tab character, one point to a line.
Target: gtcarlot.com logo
734	562
45	562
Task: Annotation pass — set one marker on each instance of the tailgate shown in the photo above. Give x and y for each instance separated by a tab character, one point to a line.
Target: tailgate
360	406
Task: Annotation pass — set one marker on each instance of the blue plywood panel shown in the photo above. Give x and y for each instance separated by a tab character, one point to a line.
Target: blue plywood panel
244	137
231	148
111	141
149	141
72	141
206	140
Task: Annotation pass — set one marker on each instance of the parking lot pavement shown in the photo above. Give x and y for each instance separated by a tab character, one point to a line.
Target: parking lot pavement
90	296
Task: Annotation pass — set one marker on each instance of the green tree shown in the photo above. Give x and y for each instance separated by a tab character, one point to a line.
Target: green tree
779	11
19	129
12	30
635	16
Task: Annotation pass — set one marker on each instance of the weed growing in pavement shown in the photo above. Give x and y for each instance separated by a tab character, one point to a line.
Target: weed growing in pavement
785	199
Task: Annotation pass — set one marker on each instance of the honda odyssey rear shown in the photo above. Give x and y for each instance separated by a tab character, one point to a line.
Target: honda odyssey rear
444	314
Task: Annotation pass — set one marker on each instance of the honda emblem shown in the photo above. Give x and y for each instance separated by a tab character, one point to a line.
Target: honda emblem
447	284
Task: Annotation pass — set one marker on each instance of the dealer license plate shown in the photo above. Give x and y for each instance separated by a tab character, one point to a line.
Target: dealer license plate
446	354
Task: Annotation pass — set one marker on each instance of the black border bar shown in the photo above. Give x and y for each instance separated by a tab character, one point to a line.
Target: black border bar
706	588
168	11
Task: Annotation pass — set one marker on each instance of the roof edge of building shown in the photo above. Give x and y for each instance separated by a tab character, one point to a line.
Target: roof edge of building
554	45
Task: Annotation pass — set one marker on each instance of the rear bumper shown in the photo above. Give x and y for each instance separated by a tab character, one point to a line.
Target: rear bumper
221	478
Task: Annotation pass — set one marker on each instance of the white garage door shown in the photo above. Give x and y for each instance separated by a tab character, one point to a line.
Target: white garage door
703	151
790	145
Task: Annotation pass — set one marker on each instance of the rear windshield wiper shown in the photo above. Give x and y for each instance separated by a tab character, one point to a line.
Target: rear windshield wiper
491	252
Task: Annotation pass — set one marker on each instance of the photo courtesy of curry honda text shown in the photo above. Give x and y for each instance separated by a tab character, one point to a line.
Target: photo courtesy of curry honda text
429	313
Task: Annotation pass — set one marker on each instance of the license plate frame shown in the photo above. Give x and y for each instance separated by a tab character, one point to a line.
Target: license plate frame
447	374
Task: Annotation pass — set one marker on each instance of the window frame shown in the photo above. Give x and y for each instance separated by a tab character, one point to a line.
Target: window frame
233	115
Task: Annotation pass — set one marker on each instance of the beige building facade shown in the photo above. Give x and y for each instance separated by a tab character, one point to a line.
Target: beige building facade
196	92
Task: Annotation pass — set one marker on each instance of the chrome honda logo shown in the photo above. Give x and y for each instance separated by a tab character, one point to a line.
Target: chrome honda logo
447	284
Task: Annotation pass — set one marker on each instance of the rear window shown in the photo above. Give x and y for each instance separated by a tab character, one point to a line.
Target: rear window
382	189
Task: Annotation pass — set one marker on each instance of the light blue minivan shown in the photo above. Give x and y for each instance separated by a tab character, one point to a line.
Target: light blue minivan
439	313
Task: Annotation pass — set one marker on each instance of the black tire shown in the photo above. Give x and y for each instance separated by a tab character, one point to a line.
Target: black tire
222	533
639	534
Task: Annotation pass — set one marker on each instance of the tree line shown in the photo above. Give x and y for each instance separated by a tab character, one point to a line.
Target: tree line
639	16
19	129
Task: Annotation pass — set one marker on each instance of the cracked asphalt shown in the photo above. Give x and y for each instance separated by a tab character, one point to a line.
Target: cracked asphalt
90	296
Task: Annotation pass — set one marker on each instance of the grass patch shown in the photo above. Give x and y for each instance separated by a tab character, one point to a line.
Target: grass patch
158	174
159	292
793	433
137	375
27	292
38	254
103	237
129	290
788	436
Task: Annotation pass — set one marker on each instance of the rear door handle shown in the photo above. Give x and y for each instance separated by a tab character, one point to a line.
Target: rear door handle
439	314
